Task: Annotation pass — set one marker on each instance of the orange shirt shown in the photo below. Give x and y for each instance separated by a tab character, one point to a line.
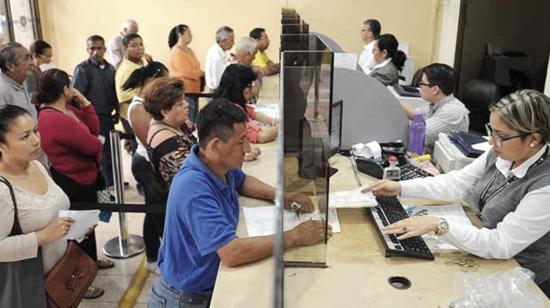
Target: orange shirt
185	66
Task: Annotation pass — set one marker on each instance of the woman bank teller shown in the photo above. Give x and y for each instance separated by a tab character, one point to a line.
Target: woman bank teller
508	187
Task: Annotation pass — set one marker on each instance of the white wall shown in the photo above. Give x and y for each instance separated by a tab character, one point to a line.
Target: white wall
449	12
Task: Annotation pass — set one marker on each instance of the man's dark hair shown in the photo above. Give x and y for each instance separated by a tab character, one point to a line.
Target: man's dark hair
8	54
128	38
441	75
39	47
95	38
216	120
256	33
374	27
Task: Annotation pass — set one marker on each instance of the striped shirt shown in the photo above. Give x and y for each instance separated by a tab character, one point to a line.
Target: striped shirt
449	114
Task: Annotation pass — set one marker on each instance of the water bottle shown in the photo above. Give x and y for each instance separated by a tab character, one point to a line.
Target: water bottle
417	130
392	172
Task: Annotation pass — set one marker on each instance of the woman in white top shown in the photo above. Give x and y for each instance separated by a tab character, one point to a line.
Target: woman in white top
38	198
141	168
508	187
389	60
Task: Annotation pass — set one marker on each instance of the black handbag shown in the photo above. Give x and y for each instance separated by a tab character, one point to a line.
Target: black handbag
21	282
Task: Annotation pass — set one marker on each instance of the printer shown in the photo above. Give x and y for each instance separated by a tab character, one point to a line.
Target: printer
454	150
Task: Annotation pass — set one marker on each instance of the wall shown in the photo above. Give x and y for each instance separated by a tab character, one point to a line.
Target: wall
411	21
67	24
445	44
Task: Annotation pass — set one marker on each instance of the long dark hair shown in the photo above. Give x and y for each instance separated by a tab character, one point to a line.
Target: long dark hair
8	114
173	36
389	43
235	79
137	78
51	85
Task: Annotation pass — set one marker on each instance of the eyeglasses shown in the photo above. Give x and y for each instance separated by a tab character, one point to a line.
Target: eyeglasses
425	84
498	139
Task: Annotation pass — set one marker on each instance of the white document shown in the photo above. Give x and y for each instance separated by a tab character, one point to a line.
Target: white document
482	146
271	110
452	213
345	60
351	199
83	220
260	221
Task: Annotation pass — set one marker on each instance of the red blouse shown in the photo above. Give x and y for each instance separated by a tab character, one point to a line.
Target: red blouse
72	146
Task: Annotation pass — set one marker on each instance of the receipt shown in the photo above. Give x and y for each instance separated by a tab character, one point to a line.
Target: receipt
83	220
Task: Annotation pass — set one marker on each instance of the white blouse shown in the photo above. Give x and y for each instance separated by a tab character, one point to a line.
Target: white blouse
519	229
35	213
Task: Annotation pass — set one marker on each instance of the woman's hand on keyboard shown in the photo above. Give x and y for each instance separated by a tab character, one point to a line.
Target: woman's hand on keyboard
384	188
413	226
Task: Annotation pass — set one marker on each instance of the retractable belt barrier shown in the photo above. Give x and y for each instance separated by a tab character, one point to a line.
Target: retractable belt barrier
125	245
120	207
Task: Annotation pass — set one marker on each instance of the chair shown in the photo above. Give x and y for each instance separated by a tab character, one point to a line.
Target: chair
477	96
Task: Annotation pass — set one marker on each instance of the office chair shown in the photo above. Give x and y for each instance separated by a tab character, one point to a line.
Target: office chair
477	96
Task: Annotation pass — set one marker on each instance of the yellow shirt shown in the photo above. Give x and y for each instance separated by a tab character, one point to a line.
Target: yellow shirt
125	69
260	59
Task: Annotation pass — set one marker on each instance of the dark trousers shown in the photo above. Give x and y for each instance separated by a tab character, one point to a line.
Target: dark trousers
545	287
105	126
79	193
141	169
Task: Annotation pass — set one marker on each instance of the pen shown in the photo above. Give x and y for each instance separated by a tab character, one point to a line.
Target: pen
296	207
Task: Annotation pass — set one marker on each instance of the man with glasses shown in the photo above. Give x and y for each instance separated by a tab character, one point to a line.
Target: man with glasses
446	113
369	33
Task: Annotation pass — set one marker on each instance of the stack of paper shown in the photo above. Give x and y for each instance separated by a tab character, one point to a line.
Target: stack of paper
83	220
260	221
351	199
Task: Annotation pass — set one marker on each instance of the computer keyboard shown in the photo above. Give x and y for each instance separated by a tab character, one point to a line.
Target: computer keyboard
409	172
388	211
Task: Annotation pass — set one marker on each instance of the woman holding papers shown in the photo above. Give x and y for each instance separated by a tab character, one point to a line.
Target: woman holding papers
508	187
37	197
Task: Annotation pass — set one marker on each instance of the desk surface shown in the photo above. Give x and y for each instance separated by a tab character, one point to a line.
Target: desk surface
358	272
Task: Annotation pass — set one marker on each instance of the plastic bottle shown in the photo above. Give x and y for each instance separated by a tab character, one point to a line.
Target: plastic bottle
392	172
417	130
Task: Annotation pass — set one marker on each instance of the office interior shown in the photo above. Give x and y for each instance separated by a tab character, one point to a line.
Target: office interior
466	35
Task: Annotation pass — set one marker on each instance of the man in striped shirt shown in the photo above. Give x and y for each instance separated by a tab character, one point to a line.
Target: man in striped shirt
446	112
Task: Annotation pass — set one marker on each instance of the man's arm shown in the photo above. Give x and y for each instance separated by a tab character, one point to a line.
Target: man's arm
246	250
254	188
409	111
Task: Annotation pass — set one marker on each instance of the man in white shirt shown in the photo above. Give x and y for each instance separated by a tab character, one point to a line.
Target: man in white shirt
369	33
215	57
446	113
115	50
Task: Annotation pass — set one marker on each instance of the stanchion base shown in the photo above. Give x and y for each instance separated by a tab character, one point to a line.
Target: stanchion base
134	246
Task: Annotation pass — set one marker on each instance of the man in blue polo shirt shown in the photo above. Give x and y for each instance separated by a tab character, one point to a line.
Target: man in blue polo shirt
203	212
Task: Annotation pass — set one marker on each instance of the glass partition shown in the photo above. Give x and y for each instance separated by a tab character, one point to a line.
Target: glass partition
306	83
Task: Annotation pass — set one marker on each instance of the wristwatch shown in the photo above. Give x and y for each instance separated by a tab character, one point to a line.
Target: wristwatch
442	227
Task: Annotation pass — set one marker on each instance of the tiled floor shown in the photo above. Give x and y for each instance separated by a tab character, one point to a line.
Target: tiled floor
115	281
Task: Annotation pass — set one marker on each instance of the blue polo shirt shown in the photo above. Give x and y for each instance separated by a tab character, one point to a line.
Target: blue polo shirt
202	214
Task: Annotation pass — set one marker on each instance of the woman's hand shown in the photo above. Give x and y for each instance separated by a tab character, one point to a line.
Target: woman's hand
55	230
80	98
413	226
384	188
252	154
